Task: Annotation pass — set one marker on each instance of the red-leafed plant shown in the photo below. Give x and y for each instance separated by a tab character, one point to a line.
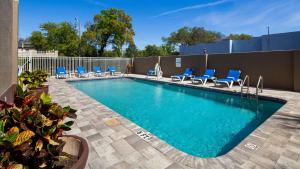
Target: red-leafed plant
33	80
30	131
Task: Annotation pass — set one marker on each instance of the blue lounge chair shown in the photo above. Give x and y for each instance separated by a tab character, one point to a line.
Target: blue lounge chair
111	70
97	71
188	73
151	72
61	72
208	75
81	72
232	77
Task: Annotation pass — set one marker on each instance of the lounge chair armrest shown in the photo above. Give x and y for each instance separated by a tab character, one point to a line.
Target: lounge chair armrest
231	78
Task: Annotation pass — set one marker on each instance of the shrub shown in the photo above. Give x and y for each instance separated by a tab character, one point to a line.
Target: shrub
33	80
30	131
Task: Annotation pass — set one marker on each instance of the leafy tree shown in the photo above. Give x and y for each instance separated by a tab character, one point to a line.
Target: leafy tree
239	36
169	50
131	51
111	27
88	44
56	36
180	37
152	50
192	36
109	53
163	50
38	41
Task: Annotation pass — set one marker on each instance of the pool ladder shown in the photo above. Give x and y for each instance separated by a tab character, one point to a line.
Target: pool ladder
259	86
245	89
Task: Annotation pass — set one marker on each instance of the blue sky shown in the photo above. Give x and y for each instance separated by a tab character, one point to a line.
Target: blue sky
154	19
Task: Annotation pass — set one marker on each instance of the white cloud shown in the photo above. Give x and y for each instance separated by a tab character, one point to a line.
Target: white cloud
293	20
252	17
199	6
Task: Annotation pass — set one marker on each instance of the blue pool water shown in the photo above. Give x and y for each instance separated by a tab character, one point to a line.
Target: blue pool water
199	122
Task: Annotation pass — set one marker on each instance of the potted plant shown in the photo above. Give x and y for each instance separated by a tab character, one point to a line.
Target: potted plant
31	134
34	81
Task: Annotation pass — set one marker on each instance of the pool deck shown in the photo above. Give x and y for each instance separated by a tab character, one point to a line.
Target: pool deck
114	144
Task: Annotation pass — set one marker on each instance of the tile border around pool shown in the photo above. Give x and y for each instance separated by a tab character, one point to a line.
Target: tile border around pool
264	137
220	90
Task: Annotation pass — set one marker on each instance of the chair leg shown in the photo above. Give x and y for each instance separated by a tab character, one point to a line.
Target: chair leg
231	84
205	81
183	79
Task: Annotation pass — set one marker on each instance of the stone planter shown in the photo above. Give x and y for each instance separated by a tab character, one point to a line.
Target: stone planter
76	146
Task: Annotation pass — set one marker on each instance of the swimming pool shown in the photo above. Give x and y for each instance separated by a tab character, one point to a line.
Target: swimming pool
198	122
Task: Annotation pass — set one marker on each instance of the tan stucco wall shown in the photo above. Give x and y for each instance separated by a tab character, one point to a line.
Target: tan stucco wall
275	67
142	65
280	69
8	43
297	71
197	63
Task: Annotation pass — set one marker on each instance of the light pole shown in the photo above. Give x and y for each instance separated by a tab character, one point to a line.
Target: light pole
268	39
206	57
78	26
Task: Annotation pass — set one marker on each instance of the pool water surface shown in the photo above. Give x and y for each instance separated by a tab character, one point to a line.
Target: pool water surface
198	122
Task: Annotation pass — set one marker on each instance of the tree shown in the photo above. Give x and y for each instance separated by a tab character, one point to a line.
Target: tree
152	50
88	44
168	50
38	41
239	37
109	53
111	27
200	35
131	51
192	36
56	36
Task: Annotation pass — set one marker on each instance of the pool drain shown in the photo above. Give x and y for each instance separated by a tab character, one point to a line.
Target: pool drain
144	135
251	146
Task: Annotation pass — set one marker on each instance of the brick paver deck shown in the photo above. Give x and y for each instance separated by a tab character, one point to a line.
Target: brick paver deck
114	144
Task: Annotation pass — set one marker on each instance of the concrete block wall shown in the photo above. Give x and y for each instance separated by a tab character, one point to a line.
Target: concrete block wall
212	48
35	53
281	41
273	42
239	46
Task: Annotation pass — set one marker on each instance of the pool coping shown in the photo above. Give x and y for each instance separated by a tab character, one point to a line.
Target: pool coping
239	156
200	87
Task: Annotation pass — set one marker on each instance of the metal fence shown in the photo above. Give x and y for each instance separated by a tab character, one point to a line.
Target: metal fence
49	64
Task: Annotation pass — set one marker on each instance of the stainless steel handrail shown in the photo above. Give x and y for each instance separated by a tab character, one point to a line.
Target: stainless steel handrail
246	80
260	85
